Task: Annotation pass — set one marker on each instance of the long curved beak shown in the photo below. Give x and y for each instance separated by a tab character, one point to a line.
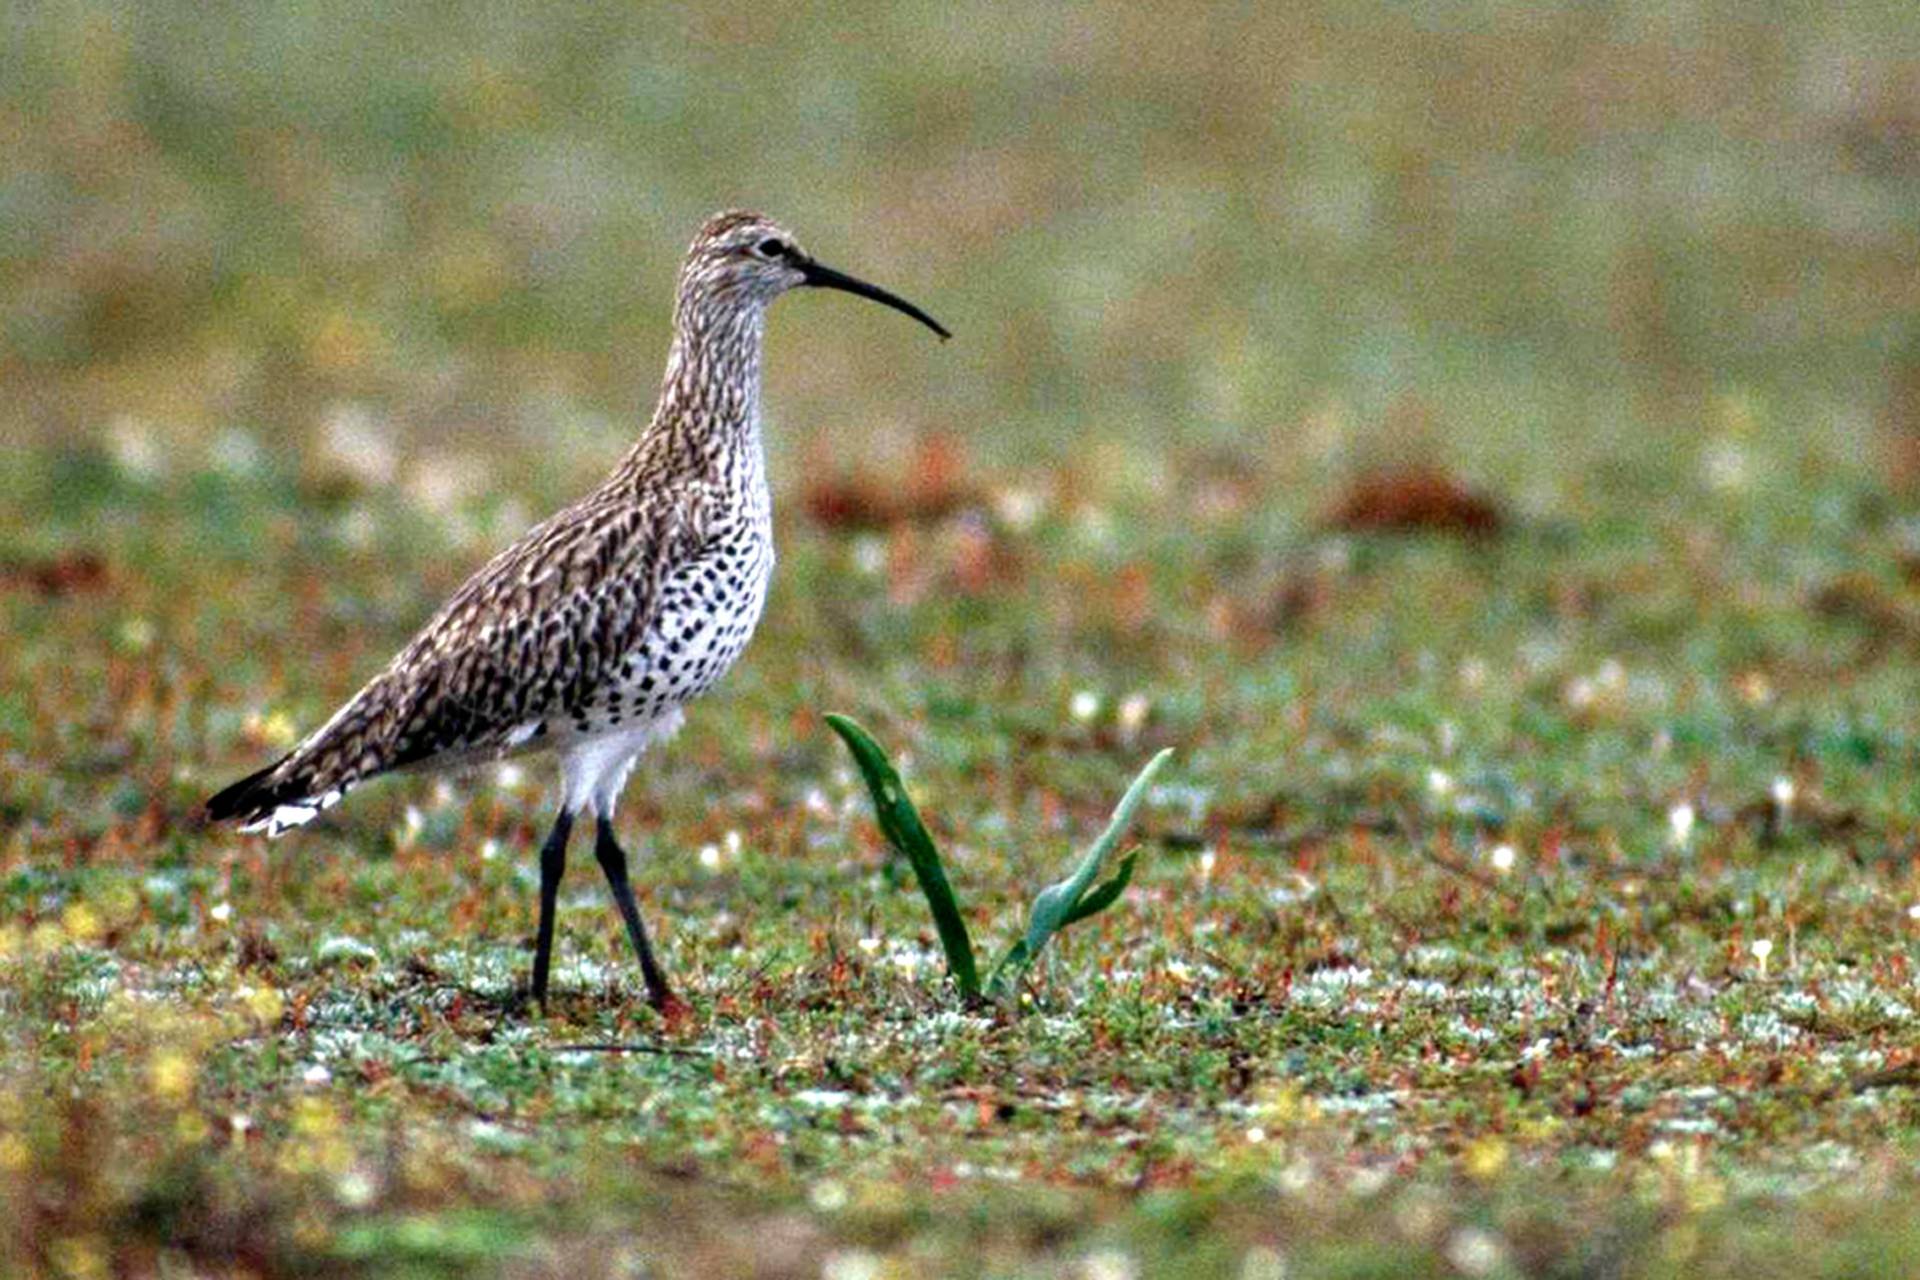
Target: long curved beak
828	278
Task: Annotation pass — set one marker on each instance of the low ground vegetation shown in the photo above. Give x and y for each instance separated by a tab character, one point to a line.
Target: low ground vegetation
1481	445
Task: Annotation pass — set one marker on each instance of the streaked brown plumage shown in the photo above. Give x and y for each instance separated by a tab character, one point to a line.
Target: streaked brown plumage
589	634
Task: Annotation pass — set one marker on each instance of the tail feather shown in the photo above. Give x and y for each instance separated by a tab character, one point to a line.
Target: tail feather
243	797
265	801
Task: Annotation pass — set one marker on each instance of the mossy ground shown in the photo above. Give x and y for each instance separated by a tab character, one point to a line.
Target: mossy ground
1541	902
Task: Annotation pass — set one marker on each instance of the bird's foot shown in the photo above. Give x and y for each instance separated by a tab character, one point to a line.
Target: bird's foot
675	1013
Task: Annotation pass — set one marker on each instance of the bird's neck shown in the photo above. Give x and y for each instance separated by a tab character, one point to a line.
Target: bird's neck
706	424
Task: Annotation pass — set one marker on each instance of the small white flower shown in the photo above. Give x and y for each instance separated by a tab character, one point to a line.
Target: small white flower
1208	858
1109	1264
1018	509
1680	823
222	912
828	1195
316	1075
136	634
355	1189
489	849
1295	888
354	442
850	1264
1502	857
1095	526
509	776
1132	716
1783	793
869	945
1440	783
1913	913
710	857
869	554
1084	706
1474	1251
1725	465
1368	1181
443	483
1762	949
136	447
340	949
1263	1262
1256	1134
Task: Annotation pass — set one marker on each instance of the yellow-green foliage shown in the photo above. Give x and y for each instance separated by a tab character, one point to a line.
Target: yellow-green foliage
1536	902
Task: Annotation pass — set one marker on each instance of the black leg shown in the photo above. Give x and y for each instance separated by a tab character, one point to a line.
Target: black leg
613	861
553	861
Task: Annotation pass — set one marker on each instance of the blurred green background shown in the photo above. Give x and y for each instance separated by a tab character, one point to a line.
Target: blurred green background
1571	231
1569	863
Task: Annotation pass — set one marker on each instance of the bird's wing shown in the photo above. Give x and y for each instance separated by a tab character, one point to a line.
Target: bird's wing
534	632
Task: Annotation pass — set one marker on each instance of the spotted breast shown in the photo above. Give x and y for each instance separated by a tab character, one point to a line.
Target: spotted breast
708	608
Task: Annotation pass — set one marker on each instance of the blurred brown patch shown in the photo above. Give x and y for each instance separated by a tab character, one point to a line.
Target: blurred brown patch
1888	619
1810	815
1417	499
1221	487
69	573
256	948
1899	421
977	559
1130	597
1304	590
936	485
1881	135
964	556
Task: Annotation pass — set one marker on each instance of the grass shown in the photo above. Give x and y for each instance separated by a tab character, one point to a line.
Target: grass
1423	965
1534	903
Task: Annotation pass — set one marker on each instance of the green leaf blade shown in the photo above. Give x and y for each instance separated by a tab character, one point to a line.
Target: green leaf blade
1062	903
900	823
1104	895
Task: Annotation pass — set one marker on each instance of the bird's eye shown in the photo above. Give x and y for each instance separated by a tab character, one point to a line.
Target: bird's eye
771	247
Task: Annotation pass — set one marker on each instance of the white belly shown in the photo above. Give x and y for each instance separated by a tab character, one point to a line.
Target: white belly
594	767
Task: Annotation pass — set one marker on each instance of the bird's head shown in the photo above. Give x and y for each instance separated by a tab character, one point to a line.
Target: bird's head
741	258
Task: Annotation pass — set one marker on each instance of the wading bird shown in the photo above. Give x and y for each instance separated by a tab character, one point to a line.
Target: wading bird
590	634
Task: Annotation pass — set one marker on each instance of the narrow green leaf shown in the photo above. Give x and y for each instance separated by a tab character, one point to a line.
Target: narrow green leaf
1104	895
1058	905
900	823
